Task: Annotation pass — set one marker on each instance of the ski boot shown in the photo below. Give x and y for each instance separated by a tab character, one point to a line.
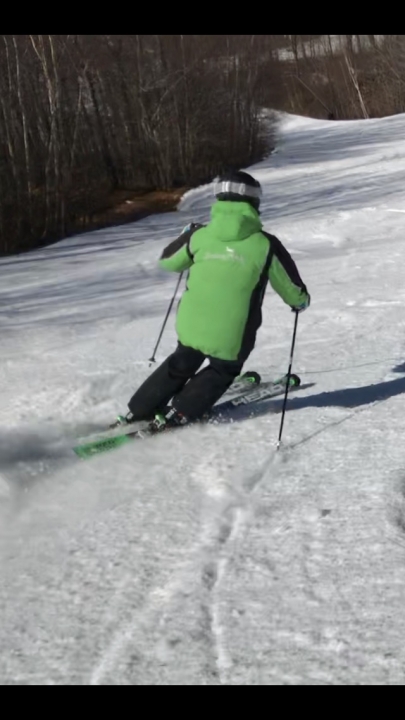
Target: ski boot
162	421
122	421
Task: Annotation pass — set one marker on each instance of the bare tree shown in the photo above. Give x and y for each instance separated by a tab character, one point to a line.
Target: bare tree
82	117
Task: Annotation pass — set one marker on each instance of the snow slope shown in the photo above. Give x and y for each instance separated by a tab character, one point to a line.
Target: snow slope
204	557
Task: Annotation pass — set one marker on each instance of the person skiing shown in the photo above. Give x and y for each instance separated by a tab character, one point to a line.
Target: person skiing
230	260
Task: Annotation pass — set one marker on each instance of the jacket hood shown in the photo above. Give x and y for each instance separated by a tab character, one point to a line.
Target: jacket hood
234	220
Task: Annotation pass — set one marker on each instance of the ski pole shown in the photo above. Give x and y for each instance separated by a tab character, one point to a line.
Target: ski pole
153	359
287	387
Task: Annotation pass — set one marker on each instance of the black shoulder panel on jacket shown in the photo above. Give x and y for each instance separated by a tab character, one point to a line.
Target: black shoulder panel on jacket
183	239
284	257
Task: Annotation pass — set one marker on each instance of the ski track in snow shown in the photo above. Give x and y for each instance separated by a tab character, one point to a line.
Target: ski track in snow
208	557
208	560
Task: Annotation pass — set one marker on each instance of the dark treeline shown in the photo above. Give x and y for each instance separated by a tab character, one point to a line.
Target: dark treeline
85	115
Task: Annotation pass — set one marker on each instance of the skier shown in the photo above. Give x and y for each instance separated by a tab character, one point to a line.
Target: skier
230	261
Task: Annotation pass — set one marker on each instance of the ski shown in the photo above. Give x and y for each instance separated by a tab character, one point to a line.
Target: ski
243	382
247	396
265	391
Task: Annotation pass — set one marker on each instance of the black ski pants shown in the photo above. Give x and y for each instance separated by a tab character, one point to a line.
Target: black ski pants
193	393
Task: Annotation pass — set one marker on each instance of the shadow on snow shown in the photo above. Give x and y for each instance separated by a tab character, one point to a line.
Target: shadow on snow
347	398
